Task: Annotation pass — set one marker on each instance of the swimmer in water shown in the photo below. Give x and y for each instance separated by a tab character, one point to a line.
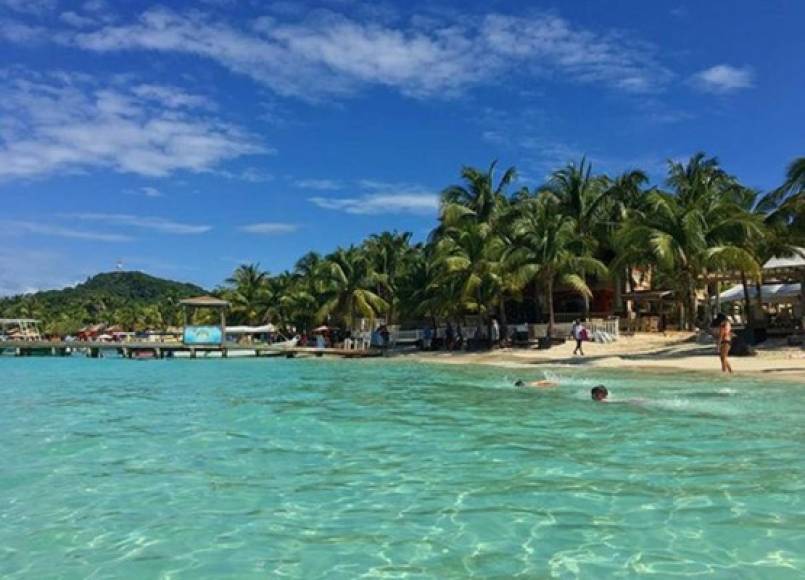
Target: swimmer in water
537	384
599	394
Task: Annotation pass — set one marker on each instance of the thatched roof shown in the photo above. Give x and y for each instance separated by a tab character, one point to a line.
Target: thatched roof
209	301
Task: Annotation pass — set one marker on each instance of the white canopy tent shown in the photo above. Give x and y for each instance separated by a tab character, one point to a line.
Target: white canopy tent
797	260
770	293
251	329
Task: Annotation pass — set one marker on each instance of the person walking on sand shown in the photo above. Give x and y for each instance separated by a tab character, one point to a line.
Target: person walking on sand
579	333
724	342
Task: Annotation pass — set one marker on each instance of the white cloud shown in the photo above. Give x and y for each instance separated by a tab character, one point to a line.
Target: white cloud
76	20
65	123
21	227
724	78
254	175
269	228
319	184
157	224
150	192
376	197
381	203
20	33
327	54
550	42
172	97
249	174
95	6
29	6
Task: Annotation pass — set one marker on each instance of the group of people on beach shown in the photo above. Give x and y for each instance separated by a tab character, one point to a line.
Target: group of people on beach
456	338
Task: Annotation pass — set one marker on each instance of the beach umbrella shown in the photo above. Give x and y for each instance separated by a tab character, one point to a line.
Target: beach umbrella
323	328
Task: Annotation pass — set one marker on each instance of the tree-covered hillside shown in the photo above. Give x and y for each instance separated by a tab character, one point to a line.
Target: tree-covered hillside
133	300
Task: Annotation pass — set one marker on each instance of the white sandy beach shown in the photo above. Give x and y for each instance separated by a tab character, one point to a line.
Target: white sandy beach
672	351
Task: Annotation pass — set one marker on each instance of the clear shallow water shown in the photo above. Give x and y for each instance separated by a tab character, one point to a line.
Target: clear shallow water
338	469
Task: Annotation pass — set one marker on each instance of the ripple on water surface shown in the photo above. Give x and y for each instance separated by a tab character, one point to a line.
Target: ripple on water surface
337	469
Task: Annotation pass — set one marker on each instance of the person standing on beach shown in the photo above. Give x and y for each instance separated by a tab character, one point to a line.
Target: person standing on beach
724	342
578	331
427	338
495	337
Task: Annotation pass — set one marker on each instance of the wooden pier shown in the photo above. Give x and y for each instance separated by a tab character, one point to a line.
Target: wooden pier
143	350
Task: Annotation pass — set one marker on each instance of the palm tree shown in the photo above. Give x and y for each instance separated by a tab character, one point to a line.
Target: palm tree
387	252
580	196
298	306
469	256
795	177
626	195
421	290
691	233
777	236
249	294
544	252
305	266
791	199
349	282
478	199
466	241
30	307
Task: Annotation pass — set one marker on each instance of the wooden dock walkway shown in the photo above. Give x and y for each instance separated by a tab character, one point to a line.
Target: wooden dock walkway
170	350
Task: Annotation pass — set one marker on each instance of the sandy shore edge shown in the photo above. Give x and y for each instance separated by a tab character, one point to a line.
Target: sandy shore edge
671	352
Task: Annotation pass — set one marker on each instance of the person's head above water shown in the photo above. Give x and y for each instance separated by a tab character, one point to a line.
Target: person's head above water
519	383
599	393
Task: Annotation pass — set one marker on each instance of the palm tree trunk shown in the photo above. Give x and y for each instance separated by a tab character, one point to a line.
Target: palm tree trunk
750	320
718	297
549	299
691	306
759	299
504	331
802	302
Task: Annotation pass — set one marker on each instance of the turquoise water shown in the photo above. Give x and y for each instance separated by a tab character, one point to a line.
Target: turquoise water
342	469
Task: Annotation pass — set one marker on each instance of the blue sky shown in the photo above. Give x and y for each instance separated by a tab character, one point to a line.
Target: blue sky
185	138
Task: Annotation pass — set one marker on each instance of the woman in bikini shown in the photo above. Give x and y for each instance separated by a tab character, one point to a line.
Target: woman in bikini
724	342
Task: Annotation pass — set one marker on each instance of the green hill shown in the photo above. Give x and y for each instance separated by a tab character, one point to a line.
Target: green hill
133	300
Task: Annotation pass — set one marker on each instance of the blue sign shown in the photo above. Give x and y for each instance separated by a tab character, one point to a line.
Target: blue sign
202	335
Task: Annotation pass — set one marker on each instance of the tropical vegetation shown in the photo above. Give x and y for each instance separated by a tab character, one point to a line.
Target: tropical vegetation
501	251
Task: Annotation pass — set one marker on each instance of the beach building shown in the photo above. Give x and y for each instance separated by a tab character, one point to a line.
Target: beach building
204	334
27	329
778	304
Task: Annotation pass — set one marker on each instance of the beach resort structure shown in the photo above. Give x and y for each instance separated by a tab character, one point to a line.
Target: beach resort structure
197	340
778	304
24	329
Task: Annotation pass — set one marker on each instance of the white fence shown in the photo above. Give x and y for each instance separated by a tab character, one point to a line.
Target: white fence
610	328
562	329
